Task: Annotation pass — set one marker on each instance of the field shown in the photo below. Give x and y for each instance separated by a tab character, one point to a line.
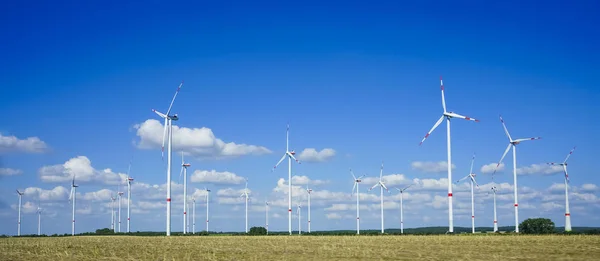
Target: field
457	247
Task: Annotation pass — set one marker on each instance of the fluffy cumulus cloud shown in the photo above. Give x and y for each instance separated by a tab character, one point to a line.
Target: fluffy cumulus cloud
312	155
590	188
540	169
489	168
58	193
388	180
304	180
199	142
10	172
81	168
431	167
10	144
215	177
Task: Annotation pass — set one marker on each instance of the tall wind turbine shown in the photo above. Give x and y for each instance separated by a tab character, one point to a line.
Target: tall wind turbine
119	197
309	191
267	216
129	180
567	212
245	194
382	186
299	221
401	208
494	190
20	194
448	115
168	126
513	143
207	201
39	212
471	176
193	215
355	190
72	197
184	167
112	213
290	155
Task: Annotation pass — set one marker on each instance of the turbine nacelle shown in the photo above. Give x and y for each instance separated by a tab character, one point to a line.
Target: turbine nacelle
186	165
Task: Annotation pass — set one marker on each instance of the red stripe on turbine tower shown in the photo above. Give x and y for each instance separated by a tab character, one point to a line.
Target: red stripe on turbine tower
567	214
516	205
168	199
449	194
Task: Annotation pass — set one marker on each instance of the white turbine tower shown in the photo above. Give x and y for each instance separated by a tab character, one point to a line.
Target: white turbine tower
513	143
355	190
184	167
245	194
112	213
290	155
129	180
381	185
299	221
20	194
494	190
168	126
207	201
39	212
309	191
471	176
193	215
119	197
448	115
401	208
567	212
267	216
72	197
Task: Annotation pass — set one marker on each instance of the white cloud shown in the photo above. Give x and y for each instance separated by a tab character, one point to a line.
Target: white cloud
10	172
489	168
28	145
215	177
543	169
432	167
589	188
304	180
229	192
312	155
58	193
101	195
199	142
333	216
389	180
81	167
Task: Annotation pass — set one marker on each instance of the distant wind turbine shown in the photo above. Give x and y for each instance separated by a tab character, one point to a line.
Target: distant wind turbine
290	155
72	198
494	190
401	208
129	180
448	115
471	176
267	216
184	167
119	197
309	191
207	201
112	213
299	221
39	212
245	194
357	191
567	212
20	194
513	143
193	215
168	126
382	186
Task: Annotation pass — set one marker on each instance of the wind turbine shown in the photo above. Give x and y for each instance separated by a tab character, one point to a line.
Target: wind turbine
290	155
168	126
448	115
119	197
193	215
513	143
72	197
184	167
112	213
207	194
567	212
267	215
494	190
245	194
380	183
299	221
309	191
401	208
355	189
129	180
20	194
39	212
471	176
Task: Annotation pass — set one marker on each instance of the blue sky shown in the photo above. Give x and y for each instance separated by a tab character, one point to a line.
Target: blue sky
361	80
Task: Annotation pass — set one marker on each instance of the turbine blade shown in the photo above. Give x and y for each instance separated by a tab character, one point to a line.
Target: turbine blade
503	155
180	173
279	162
472	161
534	138
381	172
374	186
383	186
569	155
443	98
456	115
352	173
162	148
174	96
566	173
162	115
353	188
432	129
406	187
505	129
467	176
474	181
294	158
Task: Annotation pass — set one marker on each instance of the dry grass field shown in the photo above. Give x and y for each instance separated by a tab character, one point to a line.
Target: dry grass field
477	247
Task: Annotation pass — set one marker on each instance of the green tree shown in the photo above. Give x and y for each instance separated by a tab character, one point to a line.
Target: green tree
537	226
257	231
